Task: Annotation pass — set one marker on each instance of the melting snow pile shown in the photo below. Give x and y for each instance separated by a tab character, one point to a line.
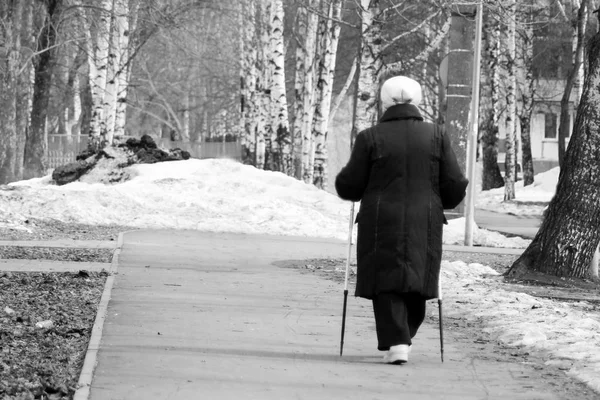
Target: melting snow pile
530	200
568	333
207	195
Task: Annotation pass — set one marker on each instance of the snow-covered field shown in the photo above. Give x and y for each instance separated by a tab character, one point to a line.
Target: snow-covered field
225	196
208	195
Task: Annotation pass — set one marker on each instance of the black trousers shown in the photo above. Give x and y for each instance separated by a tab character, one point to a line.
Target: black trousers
397	318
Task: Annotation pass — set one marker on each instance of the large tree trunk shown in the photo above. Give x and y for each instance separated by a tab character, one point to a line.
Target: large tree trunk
579	26
490	100
325	90
511	106
98	68
35	144
525	67
10	18
365	114
569	235
279	115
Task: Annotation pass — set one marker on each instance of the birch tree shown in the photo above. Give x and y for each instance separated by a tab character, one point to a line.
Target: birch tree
126	30
248	79
527	90
306	96
510	161
98	70
264	79
569	235
279	113
365	114
324	91
490	102
306	26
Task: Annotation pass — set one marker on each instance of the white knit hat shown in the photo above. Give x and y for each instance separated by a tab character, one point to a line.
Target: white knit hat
400	90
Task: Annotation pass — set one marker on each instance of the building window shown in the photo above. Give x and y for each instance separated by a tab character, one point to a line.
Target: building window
550	126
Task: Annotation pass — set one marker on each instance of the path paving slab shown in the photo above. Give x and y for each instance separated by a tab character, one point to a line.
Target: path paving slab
198	315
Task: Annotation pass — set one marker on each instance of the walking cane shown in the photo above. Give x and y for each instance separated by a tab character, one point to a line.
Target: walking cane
440	310
346	278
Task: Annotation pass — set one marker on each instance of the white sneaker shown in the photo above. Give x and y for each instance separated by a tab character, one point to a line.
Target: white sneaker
397	354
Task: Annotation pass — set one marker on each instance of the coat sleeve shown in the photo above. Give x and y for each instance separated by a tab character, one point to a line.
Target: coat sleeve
352	180
453	183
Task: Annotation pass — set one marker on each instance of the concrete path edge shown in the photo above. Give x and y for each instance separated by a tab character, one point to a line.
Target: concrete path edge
89	363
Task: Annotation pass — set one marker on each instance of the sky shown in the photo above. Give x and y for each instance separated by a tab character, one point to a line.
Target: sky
225	196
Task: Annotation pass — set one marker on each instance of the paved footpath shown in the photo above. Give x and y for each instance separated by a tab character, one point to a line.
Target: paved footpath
204	316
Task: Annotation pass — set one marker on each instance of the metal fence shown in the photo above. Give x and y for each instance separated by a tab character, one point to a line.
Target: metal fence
63	149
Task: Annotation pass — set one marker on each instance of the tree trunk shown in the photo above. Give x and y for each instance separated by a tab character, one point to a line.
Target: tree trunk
98	62
490	100
263	87
579	26
528	85
511	106
325	90
302	37
25	95
370	65
35	144
279	116
248	81
308	95
569	235
8	90
123	15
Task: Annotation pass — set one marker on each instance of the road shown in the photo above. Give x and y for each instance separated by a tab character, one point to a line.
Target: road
525	227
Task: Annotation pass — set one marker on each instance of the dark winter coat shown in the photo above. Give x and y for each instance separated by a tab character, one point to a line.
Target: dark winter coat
405	173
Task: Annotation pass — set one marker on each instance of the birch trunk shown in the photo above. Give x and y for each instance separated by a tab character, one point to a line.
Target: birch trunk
308	94
370	64
126	21
98	61
325	90
8	90
511	110
279	116
492	178
569	235
579	27
248	79
263	65
107	123
318	66
527	90
342	94
299	79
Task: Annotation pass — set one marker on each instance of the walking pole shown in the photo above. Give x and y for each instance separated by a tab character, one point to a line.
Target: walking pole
346	278
441	322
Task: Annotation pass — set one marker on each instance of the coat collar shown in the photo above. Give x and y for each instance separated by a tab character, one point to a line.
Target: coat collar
401	111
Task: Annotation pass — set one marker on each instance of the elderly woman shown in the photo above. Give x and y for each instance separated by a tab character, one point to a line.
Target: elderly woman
404	173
